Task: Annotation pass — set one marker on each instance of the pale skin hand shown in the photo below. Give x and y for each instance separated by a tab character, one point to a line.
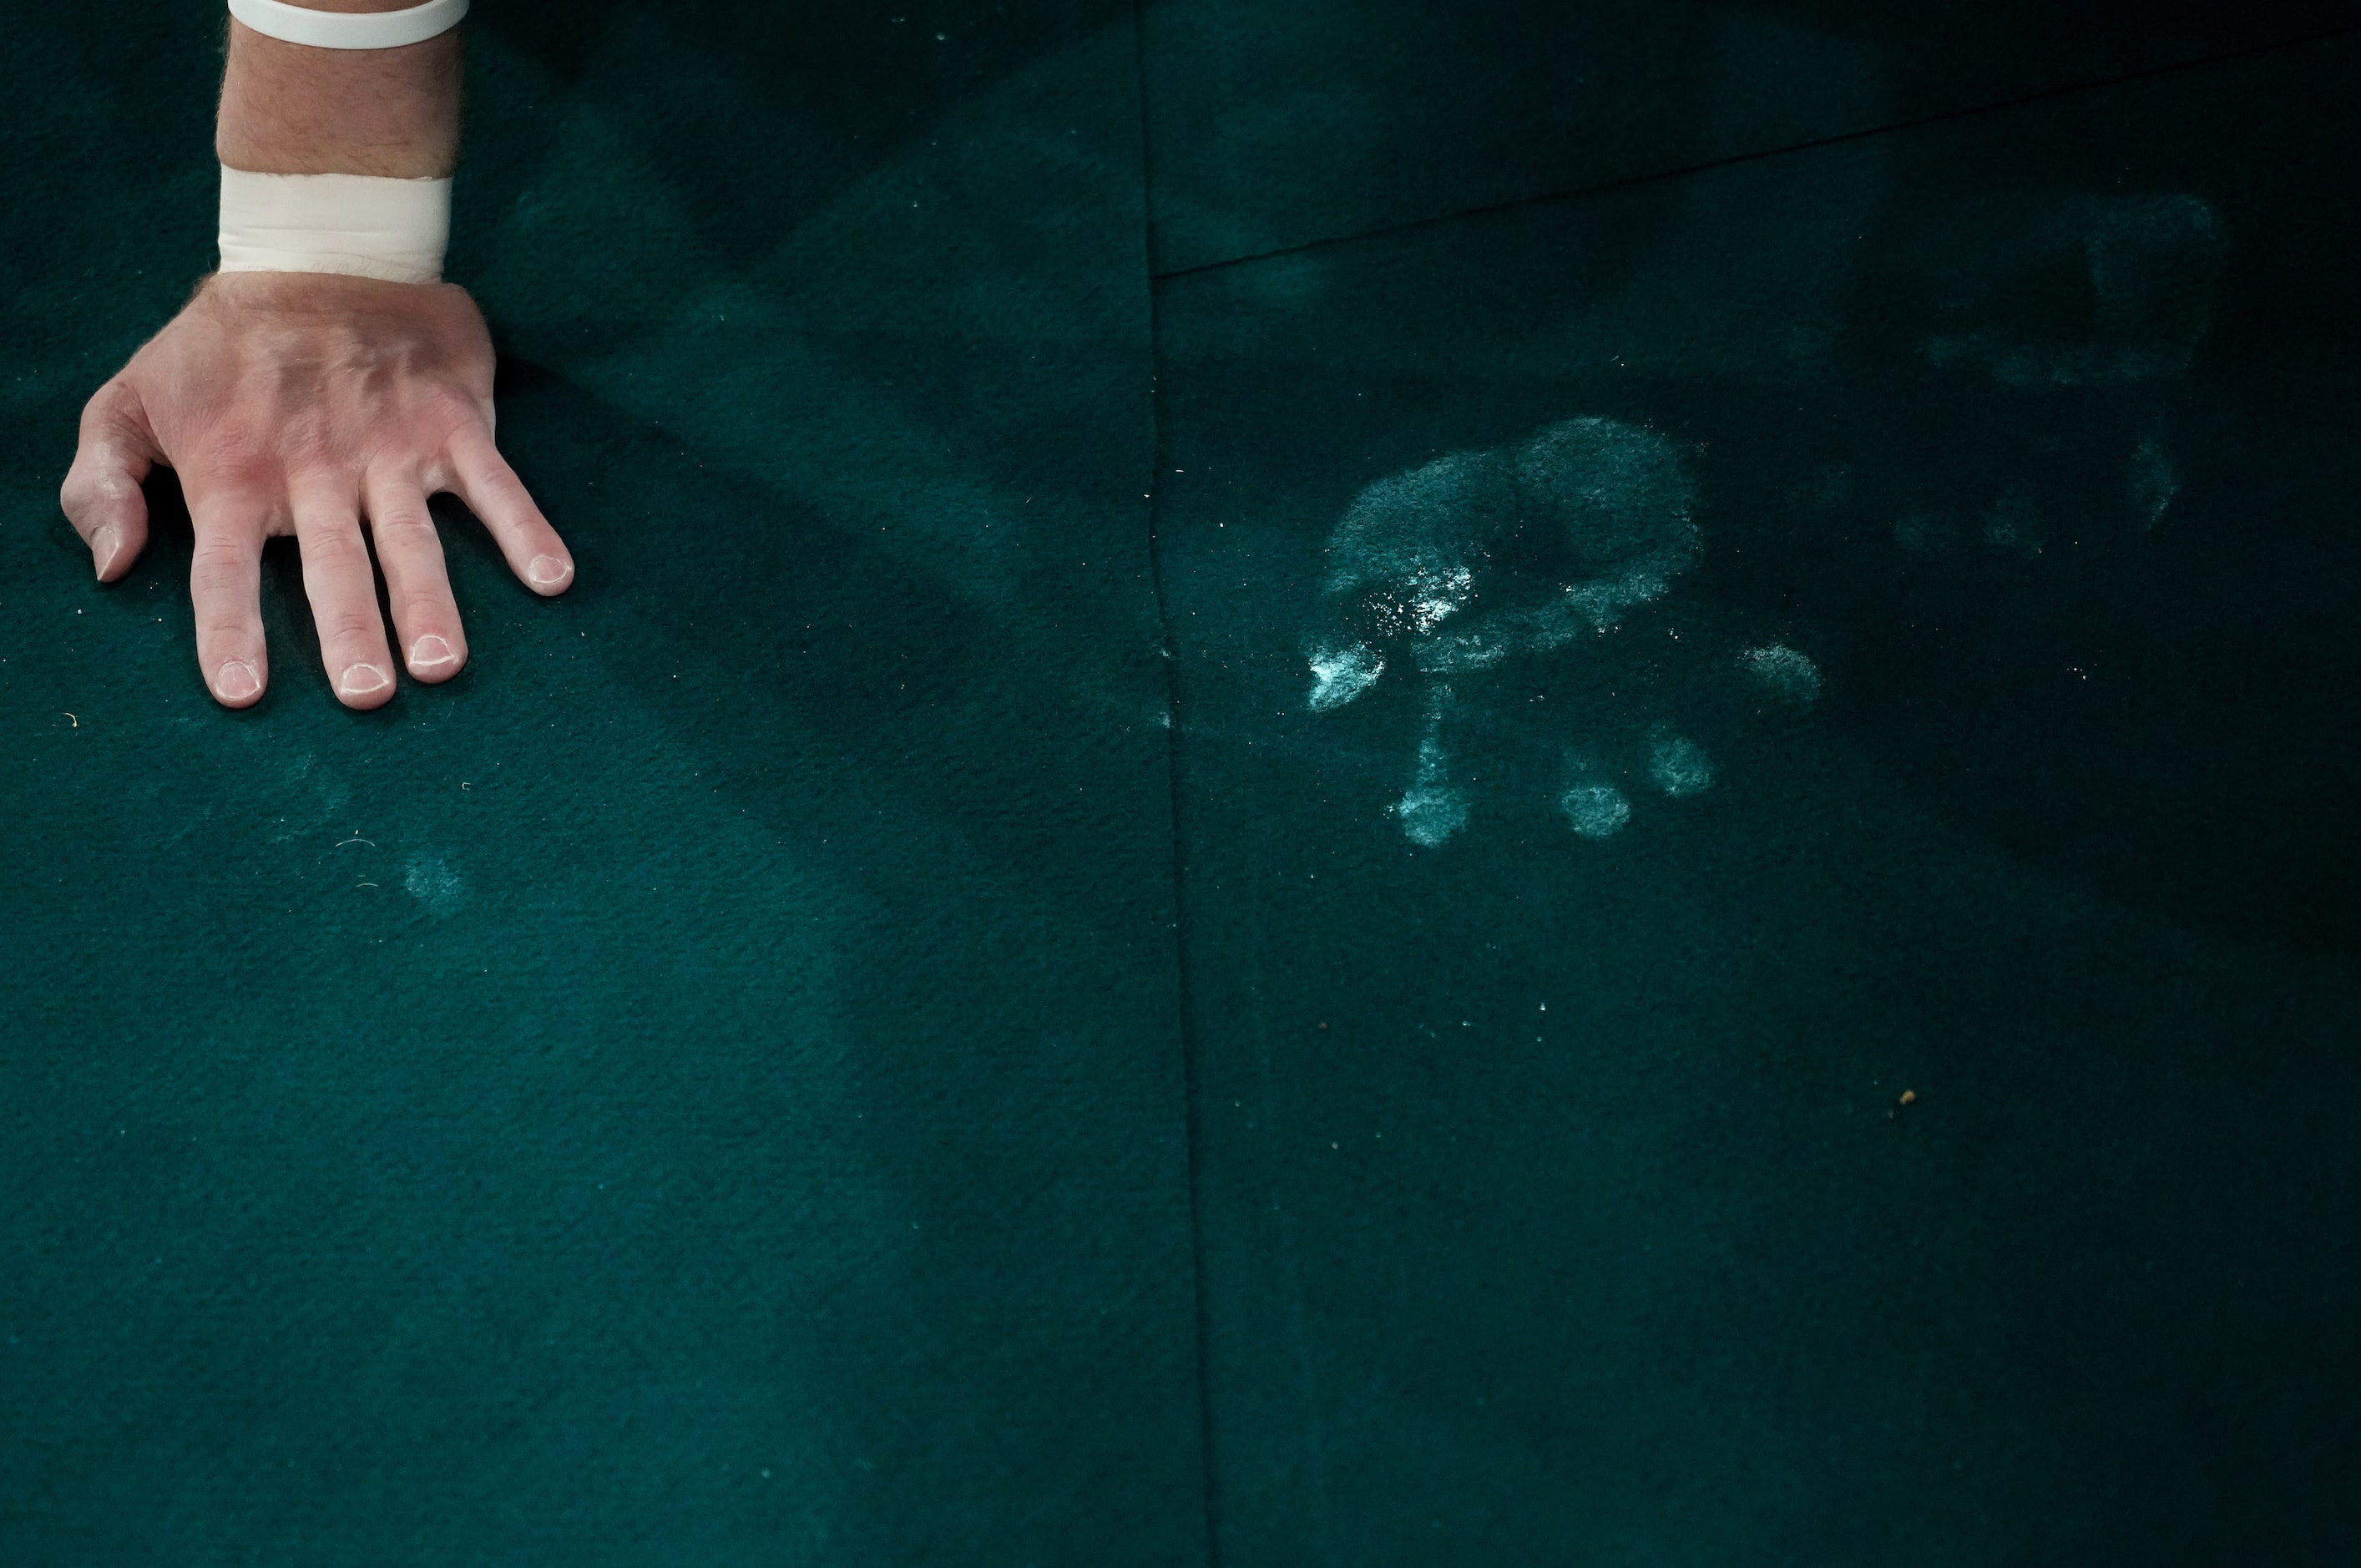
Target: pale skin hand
300	403
306	403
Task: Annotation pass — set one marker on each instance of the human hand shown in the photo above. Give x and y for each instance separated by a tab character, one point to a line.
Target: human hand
302	403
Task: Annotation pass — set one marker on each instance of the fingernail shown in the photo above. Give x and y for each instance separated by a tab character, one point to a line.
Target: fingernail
105	546
361	680
431	652
236	681
547	572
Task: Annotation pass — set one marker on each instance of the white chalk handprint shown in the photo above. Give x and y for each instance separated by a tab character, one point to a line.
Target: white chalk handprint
1480	558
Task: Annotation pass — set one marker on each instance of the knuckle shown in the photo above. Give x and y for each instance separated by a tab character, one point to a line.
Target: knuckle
222	632
235	463
231	440
448	409
305	439
322	477
339	563
215	554
349	626
405	527
220	573
428	611
93	489
106	405
329	531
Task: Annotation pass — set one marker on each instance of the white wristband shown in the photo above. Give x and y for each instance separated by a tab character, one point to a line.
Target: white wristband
349	29
358	225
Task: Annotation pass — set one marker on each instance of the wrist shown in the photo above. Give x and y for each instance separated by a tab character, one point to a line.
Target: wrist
291	108
356	224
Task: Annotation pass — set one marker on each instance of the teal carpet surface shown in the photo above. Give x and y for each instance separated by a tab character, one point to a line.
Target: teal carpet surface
1329	785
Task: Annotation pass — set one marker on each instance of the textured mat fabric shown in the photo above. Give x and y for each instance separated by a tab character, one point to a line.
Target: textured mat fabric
1763	963
704	1087
1277	126
1771	930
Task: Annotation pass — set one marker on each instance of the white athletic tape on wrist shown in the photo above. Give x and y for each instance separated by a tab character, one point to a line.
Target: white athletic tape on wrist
358	225
349	29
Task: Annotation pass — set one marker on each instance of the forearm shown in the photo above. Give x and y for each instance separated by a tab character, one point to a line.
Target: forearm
291	109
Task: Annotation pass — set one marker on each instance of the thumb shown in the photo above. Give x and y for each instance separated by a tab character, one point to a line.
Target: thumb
101	495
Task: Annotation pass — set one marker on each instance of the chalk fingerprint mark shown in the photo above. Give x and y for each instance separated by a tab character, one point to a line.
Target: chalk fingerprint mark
2152	479
429	880
1788	676
2013	524
1678	766
1434	810
2155	265
1340	675
1595	809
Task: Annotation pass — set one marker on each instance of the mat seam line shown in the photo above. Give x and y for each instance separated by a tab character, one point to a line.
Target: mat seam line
1624	181
1191	1136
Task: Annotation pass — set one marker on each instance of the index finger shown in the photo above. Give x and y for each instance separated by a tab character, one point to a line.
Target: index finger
494	493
